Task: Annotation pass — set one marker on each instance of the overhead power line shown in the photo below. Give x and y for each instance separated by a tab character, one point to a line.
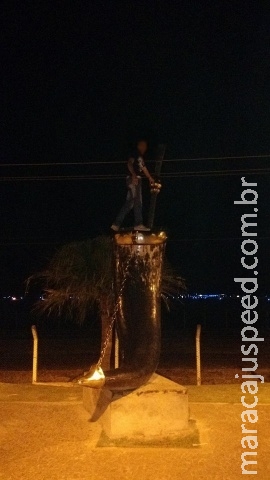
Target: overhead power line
113	162
182	174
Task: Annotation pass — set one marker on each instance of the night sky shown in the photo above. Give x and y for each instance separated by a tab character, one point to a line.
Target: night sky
81	80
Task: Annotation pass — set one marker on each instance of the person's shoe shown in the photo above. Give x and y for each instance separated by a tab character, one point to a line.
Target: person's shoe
115	228
141	227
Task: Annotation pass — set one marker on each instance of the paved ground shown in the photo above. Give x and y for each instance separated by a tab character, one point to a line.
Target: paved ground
45	434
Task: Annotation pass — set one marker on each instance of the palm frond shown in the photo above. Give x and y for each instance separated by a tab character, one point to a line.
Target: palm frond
172	284
80	275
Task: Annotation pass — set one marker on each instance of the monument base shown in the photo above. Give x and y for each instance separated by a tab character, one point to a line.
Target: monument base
157	412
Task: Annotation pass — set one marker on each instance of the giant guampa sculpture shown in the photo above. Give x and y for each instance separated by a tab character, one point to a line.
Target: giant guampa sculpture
138	261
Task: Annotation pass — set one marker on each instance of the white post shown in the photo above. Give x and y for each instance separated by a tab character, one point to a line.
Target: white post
35	353
116	351
198	354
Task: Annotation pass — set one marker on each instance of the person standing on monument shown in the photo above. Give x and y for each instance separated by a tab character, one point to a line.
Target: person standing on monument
136	166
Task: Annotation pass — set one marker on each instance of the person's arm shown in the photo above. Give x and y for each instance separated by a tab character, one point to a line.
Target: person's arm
147	174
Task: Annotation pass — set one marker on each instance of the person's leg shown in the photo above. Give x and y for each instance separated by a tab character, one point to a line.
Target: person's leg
128	205
138	220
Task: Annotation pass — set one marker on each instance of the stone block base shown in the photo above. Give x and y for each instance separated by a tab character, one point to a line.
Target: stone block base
155	411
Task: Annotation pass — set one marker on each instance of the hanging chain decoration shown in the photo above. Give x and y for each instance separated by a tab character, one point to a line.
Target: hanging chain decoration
95	378
113	317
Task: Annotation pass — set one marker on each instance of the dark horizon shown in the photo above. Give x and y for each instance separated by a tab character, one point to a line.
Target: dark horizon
82	81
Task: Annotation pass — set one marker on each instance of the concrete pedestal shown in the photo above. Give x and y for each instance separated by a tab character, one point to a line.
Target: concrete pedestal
158	410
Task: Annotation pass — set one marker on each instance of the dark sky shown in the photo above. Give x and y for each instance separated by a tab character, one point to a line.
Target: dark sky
81	80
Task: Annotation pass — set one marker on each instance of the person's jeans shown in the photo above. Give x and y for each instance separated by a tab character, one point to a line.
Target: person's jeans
133	200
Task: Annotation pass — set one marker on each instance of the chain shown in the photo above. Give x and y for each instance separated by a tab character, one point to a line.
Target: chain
113	317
